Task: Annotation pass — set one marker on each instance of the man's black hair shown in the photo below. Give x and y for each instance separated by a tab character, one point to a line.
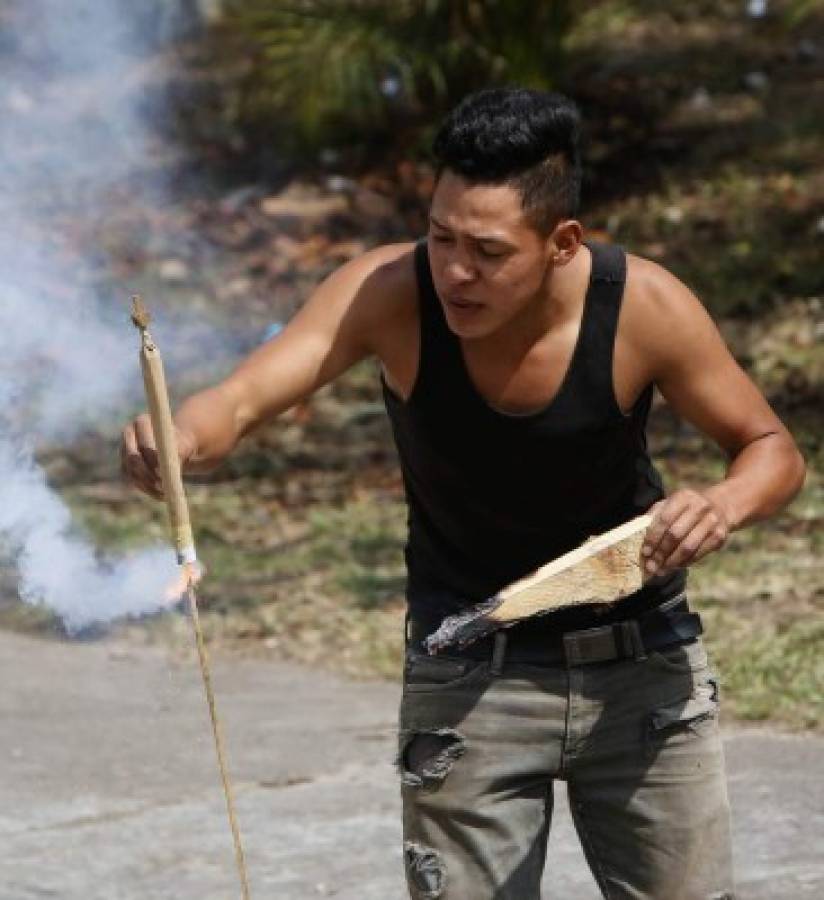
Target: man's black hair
527	139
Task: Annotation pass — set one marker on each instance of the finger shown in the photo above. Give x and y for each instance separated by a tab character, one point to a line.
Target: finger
665	513
128	448
662	513
142	478
717	535
148	451
151	482
133	465
146	441
714	541
703	533
675	534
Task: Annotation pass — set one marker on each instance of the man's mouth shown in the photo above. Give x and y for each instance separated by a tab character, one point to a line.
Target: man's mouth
459	303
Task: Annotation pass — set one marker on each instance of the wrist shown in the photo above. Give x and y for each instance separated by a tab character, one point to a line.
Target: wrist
722	496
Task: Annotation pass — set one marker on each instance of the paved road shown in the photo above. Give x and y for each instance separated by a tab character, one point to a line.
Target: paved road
109	788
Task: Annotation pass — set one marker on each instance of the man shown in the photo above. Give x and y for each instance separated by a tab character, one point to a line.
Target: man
518	364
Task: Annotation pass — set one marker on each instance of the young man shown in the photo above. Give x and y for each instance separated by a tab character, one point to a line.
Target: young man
518	364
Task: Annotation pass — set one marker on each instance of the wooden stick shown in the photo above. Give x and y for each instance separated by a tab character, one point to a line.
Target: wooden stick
602	570
160	413
240	859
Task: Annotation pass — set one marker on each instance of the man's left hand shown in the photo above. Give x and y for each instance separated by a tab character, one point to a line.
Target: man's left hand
685	528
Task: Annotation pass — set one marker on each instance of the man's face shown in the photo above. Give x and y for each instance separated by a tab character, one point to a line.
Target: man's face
488	263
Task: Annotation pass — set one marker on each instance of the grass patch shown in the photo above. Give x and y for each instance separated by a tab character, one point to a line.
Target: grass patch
769	671
780	675
330	591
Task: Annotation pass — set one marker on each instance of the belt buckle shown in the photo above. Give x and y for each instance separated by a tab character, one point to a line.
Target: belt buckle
621	640
590	645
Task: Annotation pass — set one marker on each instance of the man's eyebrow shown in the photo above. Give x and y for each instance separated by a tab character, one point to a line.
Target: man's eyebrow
482	238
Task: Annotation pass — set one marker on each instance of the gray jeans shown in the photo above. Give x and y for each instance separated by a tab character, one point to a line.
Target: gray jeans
636	741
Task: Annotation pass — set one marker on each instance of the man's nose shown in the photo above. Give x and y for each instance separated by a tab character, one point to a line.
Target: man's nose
459	270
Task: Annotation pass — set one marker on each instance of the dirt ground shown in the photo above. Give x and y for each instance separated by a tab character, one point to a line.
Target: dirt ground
110	787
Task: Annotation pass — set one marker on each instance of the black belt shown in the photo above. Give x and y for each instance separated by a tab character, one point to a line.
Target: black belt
665	625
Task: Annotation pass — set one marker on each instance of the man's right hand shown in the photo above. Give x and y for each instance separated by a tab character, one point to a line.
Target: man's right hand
139	459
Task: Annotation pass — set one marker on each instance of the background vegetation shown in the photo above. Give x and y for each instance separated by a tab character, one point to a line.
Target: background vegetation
335	70
702	121
311	72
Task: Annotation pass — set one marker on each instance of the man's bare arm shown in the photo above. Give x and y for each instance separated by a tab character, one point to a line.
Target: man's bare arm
335	329
697	374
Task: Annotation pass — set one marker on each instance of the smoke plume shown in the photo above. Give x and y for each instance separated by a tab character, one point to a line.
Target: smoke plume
74	92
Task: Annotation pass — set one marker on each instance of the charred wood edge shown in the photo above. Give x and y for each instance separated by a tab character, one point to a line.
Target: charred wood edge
465	628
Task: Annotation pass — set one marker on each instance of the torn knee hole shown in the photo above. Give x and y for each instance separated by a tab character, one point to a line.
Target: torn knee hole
427	757
425	869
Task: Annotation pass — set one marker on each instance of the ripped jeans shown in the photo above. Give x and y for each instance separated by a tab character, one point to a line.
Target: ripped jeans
636	741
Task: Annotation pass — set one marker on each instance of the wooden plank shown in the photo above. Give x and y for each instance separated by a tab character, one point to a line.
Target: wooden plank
602	570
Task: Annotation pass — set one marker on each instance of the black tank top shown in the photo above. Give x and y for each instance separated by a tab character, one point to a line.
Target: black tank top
494	496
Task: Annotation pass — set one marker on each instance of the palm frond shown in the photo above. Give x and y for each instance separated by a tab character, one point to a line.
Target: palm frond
316	62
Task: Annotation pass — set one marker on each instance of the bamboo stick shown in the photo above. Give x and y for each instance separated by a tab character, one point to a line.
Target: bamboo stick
160	413
171	477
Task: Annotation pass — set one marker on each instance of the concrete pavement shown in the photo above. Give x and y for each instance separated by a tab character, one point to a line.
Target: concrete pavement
110	792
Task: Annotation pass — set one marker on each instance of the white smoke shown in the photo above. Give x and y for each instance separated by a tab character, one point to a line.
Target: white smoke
60	569
71	134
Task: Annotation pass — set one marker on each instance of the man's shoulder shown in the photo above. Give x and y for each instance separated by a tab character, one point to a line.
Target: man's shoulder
386	293
660	316
656	302
387	269
650	282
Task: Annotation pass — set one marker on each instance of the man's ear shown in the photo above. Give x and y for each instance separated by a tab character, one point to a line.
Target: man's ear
565	241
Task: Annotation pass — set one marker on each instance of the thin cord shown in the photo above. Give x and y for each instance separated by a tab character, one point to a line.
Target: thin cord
224	776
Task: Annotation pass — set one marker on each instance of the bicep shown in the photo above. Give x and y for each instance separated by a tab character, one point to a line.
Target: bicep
698	375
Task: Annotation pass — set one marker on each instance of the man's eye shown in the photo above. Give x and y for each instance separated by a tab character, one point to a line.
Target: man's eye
441	238
491	254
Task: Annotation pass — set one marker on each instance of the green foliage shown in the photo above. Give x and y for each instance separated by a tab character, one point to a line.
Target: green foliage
800	10
780	674
331	70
